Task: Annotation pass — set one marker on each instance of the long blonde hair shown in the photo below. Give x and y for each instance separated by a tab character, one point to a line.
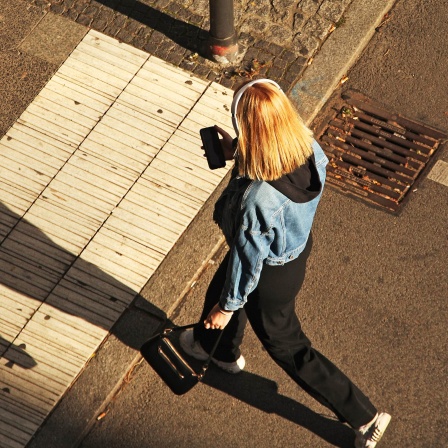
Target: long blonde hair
273	140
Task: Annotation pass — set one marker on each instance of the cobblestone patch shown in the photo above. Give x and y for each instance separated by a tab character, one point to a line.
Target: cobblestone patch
277	38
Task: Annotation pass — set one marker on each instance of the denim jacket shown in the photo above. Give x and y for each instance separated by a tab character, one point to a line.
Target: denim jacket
263	226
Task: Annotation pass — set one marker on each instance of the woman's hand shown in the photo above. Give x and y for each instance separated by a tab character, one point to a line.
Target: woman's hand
226	143
217	319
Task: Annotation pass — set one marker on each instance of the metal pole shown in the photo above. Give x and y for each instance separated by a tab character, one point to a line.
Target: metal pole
223	39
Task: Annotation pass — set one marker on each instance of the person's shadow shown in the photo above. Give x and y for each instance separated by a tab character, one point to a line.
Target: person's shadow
35	269
17	355
262	393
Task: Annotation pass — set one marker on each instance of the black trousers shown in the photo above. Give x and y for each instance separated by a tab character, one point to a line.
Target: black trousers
270	309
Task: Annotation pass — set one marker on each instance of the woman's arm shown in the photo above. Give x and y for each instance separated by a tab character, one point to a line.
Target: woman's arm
247	254
249	250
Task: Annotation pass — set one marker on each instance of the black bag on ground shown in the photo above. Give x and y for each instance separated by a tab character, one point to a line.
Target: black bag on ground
169	364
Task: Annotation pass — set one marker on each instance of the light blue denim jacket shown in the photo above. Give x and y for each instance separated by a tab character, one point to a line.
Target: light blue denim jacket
271	229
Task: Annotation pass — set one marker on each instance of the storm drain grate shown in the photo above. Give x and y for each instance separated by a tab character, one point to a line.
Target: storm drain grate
374	154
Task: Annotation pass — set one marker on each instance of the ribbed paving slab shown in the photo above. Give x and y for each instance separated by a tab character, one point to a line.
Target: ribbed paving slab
99	177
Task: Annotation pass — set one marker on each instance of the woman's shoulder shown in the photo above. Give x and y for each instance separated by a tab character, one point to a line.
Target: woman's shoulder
261	195
258	190
261	204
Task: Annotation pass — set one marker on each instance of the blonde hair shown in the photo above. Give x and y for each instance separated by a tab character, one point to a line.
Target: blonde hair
273	140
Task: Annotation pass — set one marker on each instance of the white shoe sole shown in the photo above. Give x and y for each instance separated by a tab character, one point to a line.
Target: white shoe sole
381	423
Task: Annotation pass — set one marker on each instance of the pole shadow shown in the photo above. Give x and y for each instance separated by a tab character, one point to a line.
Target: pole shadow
184	34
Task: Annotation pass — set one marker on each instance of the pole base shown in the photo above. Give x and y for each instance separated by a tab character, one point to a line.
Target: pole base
223	51
224	55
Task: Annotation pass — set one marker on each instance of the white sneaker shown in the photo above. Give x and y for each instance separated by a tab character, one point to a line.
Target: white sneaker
194	349
369	435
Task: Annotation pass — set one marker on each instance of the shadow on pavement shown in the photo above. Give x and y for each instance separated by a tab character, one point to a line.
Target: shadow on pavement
35	269
40	270
17	355
182	33
262	394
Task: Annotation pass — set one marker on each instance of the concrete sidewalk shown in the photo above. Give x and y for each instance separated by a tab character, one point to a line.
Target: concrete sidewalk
85	226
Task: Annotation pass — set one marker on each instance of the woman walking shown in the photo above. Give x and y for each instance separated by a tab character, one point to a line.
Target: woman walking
266	214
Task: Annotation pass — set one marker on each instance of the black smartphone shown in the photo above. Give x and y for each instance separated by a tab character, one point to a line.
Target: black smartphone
212	147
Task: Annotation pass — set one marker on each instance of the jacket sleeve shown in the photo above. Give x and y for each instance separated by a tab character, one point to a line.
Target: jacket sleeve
247	253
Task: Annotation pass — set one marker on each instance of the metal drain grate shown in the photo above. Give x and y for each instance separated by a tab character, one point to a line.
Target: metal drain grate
374	154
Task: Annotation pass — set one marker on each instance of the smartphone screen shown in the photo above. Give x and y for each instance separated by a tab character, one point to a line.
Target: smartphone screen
212	147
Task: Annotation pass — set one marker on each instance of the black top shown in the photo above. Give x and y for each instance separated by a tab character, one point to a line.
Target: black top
302	185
